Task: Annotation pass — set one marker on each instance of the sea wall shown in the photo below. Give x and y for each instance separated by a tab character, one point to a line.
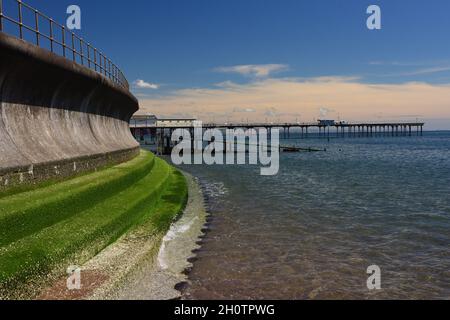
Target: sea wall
58	118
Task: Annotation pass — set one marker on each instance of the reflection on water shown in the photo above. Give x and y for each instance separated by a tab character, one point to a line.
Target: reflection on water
311	231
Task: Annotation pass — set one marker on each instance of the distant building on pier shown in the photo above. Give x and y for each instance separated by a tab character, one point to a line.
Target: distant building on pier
143	121
144	126
152	121
327	123
175	122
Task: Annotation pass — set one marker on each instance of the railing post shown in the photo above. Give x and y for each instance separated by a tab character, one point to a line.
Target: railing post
19	3
36	22
89	55
73	47
63	30
51	35
81	52
1	15
95	59
112	72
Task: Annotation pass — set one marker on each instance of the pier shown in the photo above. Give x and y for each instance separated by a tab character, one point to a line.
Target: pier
161	132
304	130
338	129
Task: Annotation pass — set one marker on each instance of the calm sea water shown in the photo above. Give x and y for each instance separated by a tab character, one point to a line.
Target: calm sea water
311	231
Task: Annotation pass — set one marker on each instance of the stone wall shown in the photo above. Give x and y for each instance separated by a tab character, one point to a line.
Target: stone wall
58	118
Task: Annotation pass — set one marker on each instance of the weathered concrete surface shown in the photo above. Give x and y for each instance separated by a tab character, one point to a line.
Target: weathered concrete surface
57	117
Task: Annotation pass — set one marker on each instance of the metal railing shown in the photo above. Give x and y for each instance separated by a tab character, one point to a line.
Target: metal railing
72	46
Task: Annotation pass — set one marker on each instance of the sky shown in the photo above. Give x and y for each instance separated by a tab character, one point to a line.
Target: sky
276	60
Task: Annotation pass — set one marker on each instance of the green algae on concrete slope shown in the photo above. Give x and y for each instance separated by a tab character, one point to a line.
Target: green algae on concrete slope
157	276
25	213
131	261
45	230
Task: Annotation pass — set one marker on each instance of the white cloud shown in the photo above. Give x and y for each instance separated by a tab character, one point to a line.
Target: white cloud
141	84
352	99
420	68
427	71
272	112
255	70
325	111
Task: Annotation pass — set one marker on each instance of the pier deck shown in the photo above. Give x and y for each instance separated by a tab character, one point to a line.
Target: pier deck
305	129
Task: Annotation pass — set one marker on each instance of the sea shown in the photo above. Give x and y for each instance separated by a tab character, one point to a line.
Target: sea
314	230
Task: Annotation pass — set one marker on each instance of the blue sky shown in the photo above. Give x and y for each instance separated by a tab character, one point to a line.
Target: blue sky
181	45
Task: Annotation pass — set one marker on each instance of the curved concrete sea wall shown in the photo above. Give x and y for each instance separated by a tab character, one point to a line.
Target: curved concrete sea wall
58	118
